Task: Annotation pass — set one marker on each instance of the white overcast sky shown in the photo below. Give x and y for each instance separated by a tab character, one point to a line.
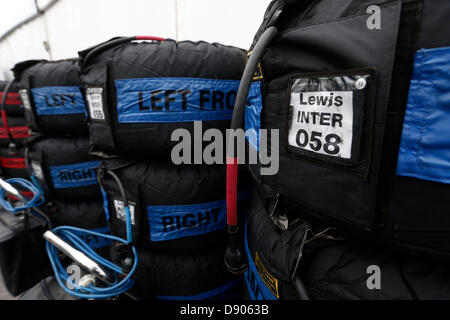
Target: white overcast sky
15	11
73	25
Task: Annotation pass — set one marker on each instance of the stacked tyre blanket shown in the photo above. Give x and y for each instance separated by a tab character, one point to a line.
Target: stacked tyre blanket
13	131
137	95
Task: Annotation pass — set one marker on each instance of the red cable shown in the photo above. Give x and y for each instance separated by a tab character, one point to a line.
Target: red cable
150	38
27	194
232	175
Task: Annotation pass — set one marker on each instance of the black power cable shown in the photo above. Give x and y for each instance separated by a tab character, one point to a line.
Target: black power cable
235	258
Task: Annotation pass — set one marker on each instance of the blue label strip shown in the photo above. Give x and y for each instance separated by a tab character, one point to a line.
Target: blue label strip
175	99
425	146
74	175
253	114
257	290
58	101
173	222
205	295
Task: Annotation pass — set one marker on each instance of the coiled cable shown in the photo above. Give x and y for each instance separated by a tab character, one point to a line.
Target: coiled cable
35	201
122	282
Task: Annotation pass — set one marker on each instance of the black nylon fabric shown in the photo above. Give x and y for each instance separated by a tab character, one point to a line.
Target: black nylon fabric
340	273
60	151
14	122
160	183
42	73
8	172
413	210
434	30
332	46
12	109
80	214
182	275
23	259
279	251
282	252
331	37
152	60
21	66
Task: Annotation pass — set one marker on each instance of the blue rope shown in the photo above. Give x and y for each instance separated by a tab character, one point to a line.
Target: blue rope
33	202
71	234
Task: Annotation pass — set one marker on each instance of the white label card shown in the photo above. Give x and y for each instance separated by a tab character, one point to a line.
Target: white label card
94	98
37	170
322	122
120	211
25	99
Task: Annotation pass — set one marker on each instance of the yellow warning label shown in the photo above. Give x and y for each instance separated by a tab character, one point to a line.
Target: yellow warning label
270	281
258	75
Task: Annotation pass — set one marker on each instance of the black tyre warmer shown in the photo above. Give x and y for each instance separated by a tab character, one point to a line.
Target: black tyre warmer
173	208
80	214
199	276
63	167
357	148
139	93
23	259
348	271
13	163
51	95
13	104
330	270
273	255
18	131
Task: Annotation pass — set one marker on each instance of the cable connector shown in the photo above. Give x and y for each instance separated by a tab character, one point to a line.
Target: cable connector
235	257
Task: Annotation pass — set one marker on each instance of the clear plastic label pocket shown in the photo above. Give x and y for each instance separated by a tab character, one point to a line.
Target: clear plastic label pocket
329	115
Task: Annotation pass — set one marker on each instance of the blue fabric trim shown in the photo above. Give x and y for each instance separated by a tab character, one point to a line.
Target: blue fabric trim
173	222
253	114
425	145
205	295
135	105
58	100
105	204
74	175
257	289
